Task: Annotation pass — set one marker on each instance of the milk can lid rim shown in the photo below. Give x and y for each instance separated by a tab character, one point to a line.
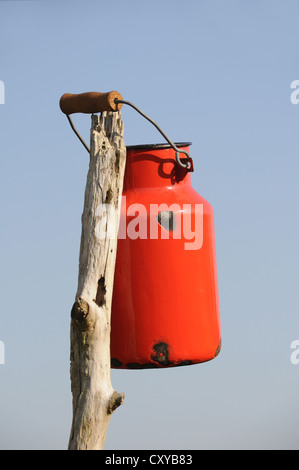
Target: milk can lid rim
158	146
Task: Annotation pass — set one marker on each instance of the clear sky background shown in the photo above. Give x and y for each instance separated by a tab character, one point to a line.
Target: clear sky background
213	72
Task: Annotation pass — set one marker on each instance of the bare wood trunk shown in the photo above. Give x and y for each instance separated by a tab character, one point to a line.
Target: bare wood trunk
94	398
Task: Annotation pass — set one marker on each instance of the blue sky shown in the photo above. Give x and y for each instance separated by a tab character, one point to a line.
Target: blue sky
216	73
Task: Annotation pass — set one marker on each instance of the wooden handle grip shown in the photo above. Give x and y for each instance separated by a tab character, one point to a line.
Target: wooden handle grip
91	102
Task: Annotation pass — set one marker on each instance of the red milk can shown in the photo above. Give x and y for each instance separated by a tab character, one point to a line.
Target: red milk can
165	307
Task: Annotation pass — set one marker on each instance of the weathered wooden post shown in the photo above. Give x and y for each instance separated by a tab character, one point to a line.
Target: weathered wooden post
94	398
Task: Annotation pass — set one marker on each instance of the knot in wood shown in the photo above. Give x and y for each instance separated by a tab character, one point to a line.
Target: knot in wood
79	314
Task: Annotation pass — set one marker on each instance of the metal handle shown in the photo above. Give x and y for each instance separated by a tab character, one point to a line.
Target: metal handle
188	165
95	102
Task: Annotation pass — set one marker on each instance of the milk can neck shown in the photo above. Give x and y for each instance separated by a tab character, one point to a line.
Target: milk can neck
150	166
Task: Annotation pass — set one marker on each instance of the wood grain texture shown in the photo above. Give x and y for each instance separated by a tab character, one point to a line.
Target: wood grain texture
94	398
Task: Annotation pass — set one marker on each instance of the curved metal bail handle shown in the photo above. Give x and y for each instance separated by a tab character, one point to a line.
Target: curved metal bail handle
189	165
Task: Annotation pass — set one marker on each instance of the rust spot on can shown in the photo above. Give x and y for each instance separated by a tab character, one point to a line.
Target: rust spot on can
136	365
218	349
160	354
115	363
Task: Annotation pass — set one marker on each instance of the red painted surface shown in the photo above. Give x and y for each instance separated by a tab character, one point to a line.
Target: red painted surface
165	308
